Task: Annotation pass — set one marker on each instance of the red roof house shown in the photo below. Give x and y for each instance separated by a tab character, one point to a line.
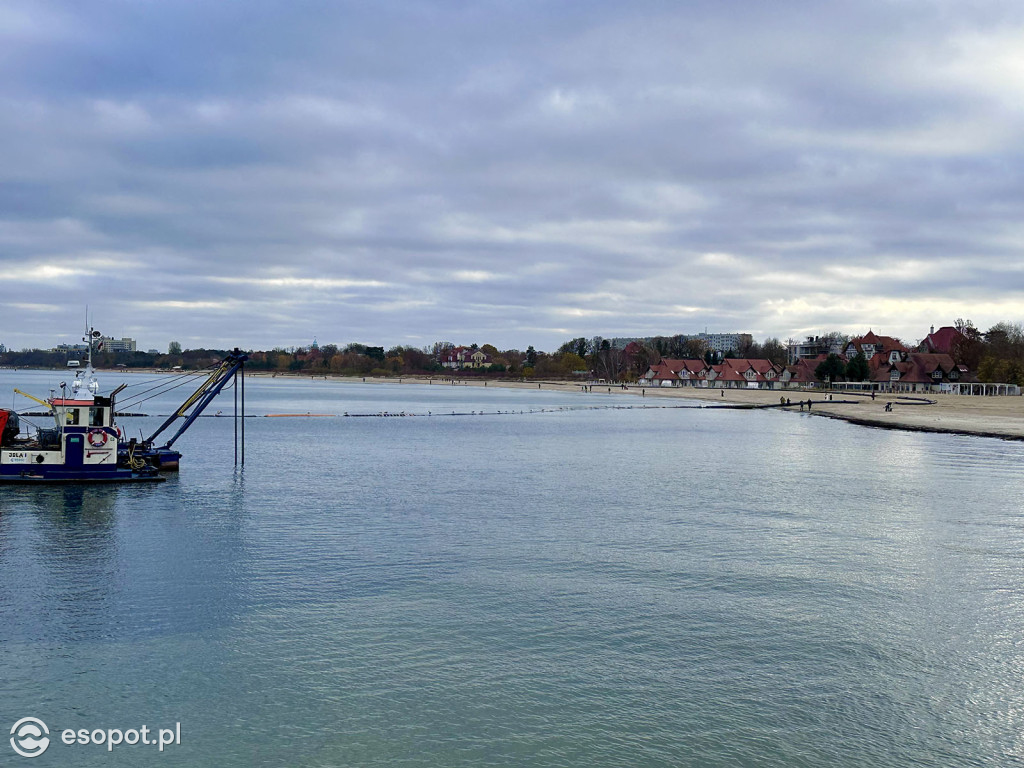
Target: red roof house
941	341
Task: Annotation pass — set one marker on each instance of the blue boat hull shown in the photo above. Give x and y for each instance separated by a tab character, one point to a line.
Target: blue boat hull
36	479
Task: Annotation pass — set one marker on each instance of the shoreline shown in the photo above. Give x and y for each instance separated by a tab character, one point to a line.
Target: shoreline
1000	417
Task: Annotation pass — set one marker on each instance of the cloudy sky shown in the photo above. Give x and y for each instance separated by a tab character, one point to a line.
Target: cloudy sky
512	172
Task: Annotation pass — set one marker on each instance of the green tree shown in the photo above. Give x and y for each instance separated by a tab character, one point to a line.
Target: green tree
967	348
986	369
857	369
512	359
774	350
832	369
578	346
531	356
570	362
694	349
174	348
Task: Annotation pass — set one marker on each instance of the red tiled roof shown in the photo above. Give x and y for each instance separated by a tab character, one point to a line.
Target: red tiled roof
802	371
663	372
885	343
730	374
918	369
692	366
695	366
942	340
760	366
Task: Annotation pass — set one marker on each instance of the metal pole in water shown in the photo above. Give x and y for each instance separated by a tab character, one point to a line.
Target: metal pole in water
242	372
236	418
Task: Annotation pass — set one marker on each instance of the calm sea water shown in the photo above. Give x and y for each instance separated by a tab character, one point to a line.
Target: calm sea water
567	587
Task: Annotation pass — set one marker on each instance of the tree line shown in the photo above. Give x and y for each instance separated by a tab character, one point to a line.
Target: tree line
996	355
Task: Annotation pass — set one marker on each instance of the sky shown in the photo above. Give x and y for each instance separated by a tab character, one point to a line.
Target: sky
512	172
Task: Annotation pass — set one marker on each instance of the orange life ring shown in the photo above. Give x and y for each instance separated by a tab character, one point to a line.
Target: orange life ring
97	438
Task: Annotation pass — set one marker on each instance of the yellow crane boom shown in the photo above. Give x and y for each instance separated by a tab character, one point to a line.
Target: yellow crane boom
33	397
49	406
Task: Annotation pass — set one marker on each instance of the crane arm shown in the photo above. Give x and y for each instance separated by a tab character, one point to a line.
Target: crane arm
48	406
198	400
33	397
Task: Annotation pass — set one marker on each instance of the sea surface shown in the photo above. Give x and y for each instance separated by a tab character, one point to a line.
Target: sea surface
521	578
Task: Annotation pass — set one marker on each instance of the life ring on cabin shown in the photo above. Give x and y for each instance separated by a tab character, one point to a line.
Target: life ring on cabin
118	430
97	438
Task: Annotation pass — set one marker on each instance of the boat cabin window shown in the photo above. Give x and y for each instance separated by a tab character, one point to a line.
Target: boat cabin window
71	417
96	417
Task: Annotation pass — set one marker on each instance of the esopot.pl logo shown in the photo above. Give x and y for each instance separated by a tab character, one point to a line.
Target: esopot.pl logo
30	737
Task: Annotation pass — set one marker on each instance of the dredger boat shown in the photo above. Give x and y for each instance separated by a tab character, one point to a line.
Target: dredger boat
85	445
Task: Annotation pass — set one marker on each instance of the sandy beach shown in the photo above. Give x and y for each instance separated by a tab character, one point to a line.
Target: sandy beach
1001	417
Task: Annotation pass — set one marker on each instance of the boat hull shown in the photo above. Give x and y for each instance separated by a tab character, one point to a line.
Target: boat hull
46	480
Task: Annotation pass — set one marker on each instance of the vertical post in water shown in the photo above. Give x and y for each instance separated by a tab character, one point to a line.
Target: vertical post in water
236	416
242	372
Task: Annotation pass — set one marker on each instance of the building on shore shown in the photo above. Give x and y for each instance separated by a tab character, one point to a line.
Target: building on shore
108	344
731	373
676	373
459	358
918	372
942	341
814	346
802	373
70	349
726	342
744	373
716	342
871	344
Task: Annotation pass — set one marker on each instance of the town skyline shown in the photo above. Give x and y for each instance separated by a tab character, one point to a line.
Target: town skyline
66	341
735	344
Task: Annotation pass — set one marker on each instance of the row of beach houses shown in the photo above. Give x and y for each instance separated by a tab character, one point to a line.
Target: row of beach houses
891	368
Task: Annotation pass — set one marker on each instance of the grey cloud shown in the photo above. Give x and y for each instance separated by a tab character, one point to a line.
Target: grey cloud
511	173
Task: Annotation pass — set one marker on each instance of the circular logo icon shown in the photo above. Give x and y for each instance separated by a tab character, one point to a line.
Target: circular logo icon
30	737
